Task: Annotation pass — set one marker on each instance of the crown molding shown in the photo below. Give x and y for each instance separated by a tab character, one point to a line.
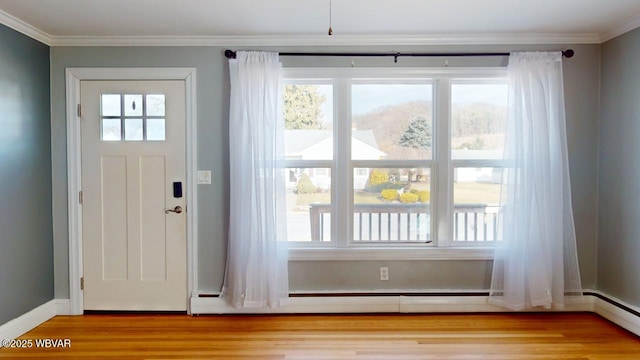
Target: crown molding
25	28
324	40
623	28
319	40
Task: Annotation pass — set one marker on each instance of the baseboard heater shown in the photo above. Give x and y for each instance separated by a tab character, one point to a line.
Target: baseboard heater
615	310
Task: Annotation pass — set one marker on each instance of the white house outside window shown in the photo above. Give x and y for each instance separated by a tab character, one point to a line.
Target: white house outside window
394	158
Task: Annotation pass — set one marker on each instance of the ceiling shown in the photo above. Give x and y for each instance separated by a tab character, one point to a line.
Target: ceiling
73	22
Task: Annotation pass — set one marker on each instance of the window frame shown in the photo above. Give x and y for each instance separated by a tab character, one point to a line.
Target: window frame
468	163
341	246
144	117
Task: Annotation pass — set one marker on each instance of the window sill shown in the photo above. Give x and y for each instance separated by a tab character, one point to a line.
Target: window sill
409	253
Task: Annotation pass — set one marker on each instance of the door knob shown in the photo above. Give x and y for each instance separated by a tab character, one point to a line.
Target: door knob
177	210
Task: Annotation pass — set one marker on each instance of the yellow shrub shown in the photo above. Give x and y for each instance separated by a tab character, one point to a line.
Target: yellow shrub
378	177
389	194
408	197
424	196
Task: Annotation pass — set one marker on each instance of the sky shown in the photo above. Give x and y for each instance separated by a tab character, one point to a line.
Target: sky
369	97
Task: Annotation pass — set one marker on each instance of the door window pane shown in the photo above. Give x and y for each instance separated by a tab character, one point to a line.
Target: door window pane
155	105
308	121
478	116
392	204
110	105
111	130
133	105
155	130
476	198
308	204
392	121
133	129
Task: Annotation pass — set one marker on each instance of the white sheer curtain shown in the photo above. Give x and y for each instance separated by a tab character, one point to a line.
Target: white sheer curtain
256	272
536	262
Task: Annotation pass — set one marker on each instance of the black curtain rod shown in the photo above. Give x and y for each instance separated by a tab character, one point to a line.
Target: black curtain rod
230	54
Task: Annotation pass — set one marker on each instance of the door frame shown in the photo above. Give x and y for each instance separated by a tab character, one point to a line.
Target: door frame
74	167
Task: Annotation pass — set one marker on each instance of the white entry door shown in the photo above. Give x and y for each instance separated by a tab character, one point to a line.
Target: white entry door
133	196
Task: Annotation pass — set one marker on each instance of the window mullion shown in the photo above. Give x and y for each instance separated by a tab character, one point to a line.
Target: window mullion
342	191
443	172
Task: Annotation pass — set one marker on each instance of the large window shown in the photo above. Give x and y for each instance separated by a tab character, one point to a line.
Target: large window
391	154
393	158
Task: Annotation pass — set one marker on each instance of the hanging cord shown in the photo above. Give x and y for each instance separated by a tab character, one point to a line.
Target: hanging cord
330	29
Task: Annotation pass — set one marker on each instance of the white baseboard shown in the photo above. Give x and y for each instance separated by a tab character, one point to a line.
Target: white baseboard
63	306
371	304
22	324
475	304
617	314
592	302
303	305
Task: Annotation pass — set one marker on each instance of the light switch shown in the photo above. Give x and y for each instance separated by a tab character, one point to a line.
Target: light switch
204	177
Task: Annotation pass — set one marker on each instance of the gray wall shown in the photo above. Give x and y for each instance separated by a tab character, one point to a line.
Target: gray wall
581	88
26	244
619	184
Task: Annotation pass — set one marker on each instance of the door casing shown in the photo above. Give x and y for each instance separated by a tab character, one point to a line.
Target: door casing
74	166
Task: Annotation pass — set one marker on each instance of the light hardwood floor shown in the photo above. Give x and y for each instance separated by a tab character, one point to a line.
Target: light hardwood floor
382	337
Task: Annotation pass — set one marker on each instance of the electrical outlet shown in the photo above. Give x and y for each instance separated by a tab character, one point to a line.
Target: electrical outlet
384	273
